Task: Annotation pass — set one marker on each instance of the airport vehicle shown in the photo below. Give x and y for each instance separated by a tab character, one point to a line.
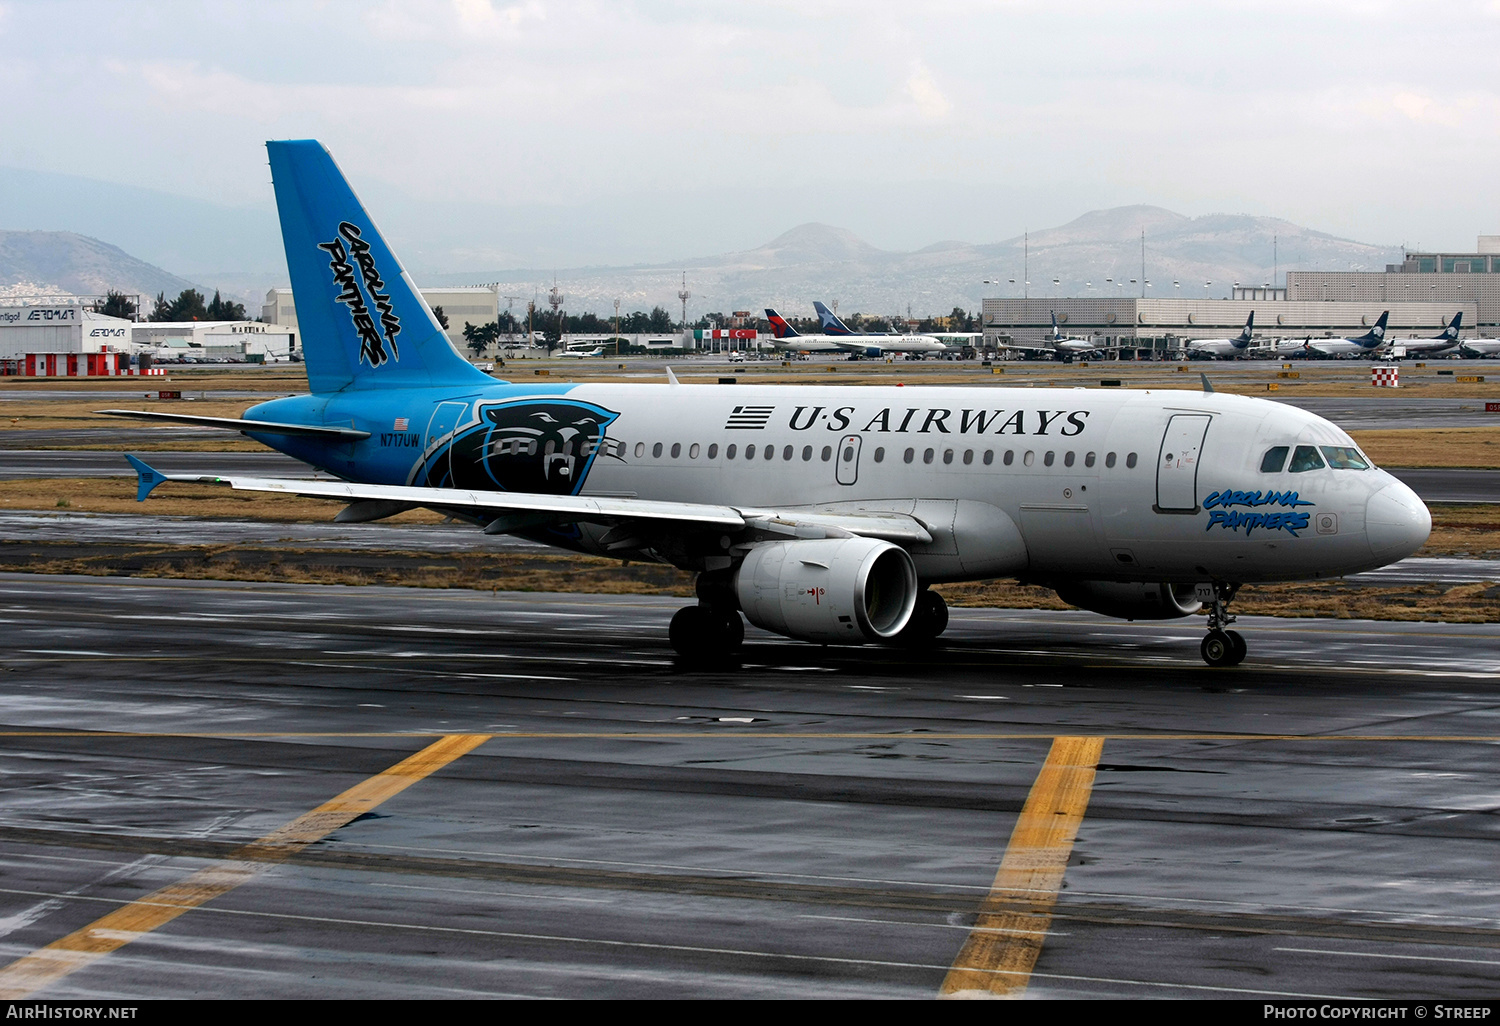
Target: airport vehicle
1223	348
1362	345
1435	345
870	344
821	513
786	337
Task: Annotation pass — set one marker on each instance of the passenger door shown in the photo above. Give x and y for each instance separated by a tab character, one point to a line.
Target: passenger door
847	460
1177	463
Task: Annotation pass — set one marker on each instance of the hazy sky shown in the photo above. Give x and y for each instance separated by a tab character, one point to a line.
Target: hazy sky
716	126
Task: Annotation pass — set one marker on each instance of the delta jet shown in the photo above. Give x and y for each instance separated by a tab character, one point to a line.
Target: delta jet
1223	348
819	513
1434	345
872	345
784	336
1362	345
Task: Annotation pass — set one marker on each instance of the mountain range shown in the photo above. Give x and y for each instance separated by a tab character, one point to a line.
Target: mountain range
1099	253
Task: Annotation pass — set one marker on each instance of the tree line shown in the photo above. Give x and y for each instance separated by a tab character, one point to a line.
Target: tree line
190	305
551	327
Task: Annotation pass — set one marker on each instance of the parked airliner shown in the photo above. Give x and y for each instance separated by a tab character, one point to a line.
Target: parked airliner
1434	345
1223	348
784	336
873	345
1064	347
820	513
1360	345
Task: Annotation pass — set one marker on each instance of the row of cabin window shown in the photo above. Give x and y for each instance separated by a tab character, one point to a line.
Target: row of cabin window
1305	458
789	452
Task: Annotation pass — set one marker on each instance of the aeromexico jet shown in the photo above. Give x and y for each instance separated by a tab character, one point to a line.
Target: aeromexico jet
865	344
1064	347
818	513
1445	340
784	336
1226	348
1362	345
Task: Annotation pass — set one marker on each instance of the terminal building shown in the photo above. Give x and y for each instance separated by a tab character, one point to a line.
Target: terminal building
1462	281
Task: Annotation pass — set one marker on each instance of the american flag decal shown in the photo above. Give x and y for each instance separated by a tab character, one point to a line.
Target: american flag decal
749	418
401	423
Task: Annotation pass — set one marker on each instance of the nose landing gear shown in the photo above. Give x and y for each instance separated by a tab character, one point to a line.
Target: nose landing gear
1222	647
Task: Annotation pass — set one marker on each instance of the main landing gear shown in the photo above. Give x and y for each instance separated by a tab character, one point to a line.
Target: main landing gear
1222	647
712	629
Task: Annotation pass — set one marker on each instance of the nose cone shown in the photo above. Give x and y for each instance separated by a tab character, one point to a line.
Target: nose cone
1396	522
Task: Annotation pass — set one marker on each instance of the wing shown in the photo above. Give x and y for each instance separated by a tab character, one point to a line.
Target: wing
502	512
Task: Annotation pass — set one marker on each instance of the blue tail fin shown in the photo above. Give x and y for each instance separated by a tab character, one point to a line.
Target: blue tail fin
830	320
1451	331
1375	335
363	322
1247	332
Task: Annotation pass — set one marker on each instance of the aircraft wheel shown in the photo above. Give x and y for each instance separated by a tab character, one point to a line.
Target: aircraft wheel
928	620
700	632
1238	647
1217	649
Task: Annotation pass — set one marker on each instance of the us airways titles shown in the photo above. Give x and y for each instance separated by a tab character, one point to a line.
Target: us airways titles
918	420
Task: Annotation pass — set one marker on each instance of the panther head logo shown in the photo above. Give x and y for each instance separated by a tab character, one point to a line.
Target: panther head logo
541	446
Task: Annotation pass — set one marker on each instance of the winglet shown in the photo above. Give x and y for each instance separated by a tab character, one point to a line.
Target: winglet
1207	386
672	378
149	478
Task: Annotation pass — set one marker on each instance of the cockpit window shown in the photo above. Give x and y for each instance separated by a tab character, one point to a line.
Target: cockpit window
1305	458
1274	460
1345	457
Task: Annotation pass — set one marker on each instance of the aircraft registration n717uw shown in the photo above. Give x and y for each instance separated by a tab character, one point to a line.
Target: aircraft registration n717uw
819	513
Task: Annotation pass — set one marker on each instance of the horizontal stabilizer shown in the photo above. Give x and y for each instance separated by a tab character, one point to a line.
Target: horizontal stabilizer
264	427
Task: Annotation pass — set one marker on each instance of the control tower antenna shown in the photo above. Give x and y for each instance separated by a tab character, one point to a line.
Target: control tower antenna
684	295
555	300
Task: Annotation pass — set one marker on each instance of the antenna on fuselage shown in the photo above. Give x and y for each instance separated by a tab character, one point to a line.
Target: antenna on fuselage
1207	386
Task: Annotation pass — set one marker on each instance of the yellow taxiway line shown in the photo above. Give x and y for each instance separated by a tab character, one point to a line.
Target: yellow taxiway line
1002	949
740	732
81	948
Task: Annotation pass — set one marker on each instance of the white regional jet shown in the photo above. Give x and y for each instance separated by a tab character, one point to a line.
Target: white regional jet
1480	348
1223	348
1434	345
818	513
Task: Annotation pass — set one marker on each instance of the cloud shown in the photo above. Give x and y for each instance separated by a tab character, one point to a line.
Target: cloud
930	101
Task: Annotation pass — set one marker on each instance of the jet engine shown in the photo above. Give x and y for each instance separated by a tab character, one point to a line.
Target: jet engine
1133	600
837	591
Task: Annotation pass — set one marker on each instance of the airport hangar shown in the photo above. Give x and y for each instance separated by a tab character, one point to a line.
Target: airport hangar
1422	293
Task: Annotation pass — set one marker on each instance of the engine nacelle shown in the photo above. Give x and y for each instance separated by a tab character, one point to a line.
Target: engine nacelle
837	591
1133	600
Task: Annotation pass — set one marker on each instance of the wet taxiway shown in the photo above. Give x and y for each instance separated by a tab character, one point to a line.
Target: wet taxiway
603	821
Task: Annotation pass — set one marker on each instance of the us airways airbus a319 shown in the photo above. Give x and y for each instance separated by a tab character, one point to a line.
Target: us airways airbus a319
819	513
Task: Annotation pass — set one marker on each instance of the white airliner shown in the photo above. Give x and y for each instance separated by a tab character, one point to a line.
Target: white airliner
1480	348
1434	345
1223	348
872	345
784	336
1361	345
579	354
819	513
1066	348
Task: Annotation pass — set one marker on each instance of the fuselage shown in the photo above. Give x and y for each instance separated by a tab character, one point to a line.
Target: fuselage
1154	485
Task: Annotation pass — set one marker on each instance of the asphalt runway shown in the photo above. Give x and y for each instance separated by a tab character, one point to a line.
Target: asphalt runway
575	814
